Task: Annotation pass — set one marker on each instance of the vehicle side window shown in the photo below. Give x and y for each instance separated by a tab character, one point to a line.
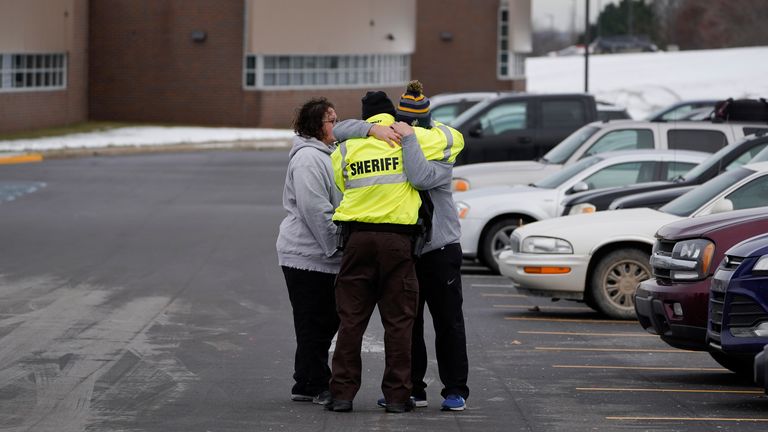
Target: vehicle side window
708	141
752	130
445	113
621	175
753	194
624	139
505	117
676	169
746	157
562	114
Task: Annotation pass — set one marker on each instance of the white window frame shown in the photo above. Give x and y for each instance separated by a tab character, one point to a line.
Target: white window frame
296	72
510	64
23	72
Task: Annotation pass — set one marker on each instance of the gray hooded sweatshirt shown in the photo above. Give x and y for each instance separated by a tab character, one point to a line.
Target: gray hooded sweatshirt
307	238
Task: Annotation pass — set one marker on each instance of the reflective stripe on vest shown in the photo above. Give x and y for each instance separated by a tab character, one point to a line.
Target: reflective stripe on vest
449	139
367	181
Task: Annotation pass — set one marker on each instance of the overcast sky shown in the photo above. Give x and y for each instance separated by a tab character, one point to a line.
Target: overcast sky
560	13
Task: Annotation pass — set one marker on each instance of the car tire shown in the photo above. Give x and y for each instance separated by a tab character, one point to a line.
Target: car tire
495	238
614	280
740	365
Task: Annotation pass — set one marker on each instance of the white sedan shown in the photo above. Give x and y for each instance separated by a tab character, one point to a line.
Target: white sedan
600	258
488	215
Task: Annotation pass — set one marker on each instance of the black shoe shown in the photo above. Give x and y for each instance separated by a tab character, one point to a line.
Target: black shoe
338	405
324	398
400	408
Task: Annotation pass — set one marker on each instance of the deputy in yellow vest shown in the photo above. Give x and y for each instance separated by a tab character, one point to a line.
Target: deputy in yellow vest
380	209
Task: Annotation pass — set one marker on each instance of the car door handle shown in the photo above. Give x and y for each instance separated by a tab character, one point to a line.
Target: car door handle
524	140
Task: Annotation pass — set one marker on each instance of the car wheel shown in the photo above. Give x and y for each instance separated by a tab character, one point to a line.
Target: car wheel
740	365
615	279
495	239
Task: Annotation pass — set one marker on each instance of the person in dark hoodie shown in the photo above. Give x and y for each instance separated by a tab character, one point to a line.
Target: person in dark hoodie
306	244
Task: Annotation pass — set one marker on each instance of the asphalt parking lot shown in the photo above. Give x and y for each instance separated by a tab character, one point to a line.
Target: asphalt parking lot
142	293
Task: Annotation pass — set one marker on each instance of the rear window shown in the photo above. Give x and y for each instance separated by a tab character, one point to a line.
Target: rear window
754	130
708	141
562	114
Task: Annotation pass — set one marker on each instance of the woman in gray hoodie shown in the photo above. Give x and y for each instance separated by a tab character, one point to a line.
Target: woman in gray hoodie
306	244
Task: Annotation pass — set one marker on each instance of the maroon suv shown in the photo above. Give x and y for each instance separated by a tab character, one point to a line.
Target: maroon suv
673	304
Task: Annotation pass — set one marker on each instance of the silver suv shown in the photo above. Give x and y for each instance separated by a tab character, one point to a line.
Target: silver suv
599	137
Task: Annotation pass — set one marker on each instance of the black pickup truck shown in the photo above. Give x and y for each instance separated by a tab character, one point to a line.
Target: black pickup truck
521	126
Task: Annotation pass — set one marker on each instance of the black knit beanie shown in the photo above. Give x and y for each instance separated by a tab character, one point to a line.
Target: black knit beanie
377	102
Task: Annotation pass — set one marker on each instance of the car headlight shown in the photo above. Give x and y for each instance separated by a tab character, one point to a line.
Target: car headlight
460	185
545	245
462	209
582	208
691	259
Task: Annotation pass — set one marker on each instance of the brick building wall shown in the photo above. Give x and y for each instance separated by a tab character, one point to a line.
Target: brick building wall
146	67
467	62
34	109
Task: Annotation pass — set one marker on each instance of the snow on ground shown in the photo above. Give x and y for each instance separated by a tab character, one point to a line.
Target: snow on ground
645	82
641	82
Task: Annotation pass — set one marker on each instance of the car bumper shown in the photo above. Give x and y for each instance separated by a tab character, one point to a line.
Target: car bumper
470	236
654	305
745	307
568	285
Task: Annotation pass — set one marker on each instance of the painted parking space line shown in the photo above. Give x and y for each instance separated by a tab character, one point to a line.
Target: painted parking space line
484	285
562	333
20	158
572	320
570	308
692	419
503	295
640	350
644	368
650	390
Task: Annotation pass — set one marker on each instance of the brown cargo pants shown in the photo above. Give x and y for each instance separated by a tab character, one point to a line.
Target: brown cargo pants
377	269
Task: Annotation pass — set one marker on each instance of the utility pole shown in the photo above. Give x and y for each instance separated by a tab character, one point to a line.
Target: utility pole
586	48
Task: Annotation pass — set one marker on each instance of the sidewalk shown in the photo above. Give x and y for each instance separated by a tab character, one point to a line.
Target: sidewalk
132	140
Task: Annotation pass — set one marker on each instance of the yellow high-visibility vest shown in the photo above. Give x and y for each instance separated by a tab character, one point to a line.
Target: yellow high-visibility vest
370	174
440	143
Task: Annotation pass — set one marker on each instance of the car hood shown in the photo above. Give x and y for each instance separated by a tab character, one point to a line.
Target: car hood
504	173
755	246
586	232
703	225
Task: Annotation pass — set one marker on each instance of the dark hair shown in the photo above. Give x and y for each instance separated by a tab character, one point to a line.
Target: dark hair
309	118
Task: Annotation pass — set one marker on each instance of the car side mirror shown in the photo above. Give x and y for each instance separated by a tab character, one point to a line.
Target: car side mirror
476	130
580	187
721	206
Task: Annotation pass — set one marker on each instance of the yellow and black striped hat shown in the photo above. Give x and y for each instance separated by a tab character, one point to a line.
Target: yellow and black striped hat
414	106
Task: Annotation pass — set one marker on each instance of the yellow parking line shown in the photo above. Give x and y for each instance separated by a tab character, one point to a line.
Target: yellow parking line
503	295
508	306
571	320
618	350
718	419
621	334
651	368
648	390
22	158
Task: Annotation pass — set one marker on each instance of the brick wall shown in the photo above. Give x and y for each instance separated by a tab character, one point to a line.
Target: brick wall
38	109
468	61
145	67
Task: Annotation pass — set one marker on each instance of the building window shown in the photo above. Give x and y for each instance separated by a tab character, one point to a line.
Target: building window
511	65
333	71
25	72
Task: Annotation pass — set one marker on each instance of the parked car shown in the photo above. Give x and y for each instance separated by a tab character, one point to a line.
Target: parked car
607	111
600	258
521	126
724	159
673	303
445	107
738	302
678	111
622	44
600	137
489	215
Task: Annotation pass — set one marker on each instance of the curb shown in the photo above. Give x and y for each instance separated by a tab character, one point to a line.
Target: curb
19	158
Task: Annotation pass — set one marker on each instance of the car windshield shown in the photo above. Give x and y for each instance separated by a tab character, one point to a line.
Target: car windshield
760	157
691	201
555	180
568	146
471	112
708	163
